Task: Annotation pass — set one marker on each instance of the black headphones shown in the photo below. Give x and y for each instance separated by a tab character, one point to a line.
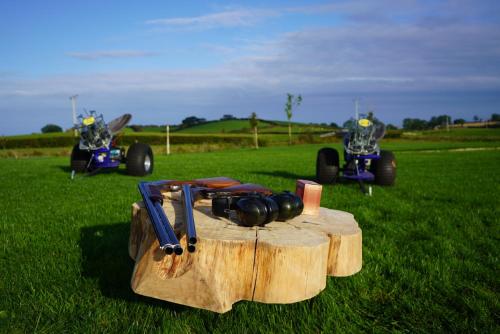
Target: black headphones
290	205
256	209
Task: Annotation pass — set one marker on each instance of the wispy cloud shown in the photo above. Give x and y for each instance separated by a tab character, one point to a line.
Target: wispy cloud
351	10
230	18
94	55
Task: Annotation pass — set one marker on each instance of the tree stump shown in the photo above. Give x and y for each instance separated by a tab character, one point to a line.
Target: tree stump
281	262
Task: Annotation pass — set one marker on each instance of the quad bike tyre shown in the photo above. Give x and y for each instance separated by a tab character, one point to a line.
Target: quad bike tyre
79	159
139	160
327	165
384	169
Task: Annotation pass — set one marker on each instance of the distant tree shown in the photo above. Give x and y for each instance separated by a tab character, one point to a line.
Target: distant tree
415	124
51	128
371	116
476	118
227	117
459	121
441	120
254	123
495	117
136	128
334	125
191	121
391	127
349	123
290	102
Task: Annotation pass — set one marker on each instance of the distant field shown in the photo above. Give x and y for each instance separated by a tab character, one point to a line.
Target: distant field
430	246
243	126
219	127
457	133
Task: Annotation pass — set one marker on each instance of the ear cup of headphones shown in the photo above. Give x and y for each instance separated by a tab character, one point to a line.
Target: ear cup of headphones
298	204
290	205
220	206
273	209
251	211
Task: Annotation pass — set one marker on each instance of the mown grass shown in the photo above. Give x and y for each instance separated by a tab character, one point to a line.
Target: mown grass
430	247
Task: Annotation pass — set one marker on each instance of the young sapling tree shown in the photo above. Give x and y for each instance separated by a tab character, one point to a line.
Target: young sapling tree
291	101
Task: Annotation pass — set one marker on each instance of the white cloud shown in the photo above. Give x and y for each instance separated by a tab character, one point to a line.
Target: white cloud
361	58
231	18
110	54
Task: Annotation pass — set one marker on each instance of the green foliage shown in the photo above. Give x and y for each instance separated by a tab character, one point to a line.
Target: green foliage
240	126
186	139
393	134
348	124
334	125
127	139
50	128
291	101
136	128
253	120
430	247
39	141
495	117
437	121
415	124
227	117
192	121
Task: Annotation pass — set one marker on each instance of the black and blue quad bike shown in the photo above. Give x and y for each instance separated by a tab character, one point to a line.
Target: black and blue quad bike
97	148
364	160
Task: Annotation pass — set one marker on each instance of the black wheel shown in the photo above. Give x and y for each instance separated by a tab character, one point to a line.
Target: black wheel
327	165
139	159
384	169
79	159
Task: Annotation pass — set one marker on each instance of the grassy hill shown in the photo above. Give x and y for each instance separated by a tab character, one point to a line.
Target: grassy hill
243	126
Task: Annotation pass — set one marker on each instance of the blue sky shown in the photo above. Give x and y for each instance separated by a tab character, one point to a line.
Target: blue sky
163	60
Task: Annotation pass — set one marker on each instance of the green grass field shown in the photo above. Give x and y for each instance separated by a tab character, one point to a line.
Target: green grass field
430	246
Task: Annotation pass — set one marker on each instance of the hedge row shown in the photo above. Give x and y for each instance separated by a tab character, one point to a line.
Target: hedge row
37	142
68	141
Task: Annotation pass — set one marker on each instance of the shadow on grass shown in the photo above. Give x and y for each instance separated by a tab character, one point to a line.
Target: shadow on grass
117	170
293	176
105	257
66	169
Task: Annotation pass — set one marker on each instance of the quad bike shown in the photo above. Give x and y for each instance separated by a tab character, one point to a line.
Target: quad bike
97	147
364	160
